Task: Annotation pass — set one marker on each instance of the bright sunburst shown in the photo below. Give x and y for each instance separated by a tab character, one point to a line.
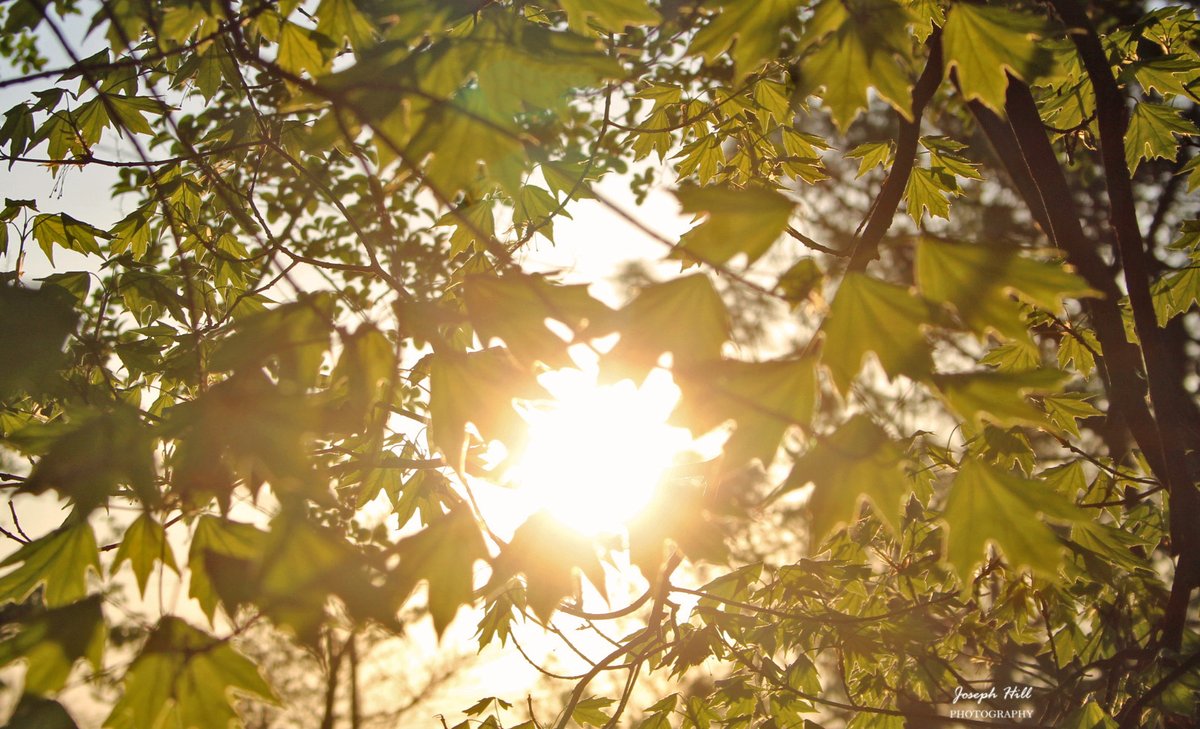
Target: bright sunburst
597	452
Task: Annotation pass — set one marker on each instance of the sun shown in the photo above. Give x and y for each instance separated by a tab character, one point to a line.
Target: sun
597	452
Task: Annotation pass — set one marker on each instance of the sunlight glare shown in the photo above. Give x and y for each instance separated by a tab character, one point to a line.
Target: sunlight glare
597	452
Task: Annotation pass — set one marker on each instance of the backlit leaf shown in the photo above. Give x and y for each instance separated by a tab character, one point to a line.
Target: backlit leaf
144	543
341	20
857	461
871	315
1151	133
443	554
53	641
987	42
751	25
862	44
515	308
548	553
34	326
186	678
765	398
981	281
683	316
476	388
612	15
999	397
736	221
990	505
59	561
231	543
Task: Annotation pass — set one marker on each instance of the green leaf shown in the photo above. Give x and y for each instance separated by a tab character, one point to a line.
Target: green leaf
471	222
363	373
534	208
1075	348
611	15
476	388
232	544
59	561
752	25
186	678
144	543
53	641
548	553
857	461
1012	357
927	190
985	43
301	566
702	158
870	315
871	155
62	230
299	50
590	711
1166	75
443	554
34	326
999	397
342	20
764	398
1192	170
129	110
35	712
294	337
863	44
515	308
89	463
737	221
801	282
980	282
498	616
460	136
684	316
1151	133
1065	408
1176	293
988	504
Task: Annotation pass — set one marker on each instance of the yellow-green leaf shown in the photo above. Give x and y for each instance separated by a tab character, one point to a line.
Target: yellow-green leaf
985	43
185	678
764	398
443	554
752	25
477	388
341	20
736	221
683	316
60	561
144	543
515	308
1151	133
871	315
857	461
611	15
53	641
999	397
299	50
863	44
980	282
988	504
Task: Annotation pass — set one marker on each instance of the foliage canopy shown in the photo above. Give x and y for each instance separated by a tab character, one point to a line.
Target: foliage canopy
974	462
